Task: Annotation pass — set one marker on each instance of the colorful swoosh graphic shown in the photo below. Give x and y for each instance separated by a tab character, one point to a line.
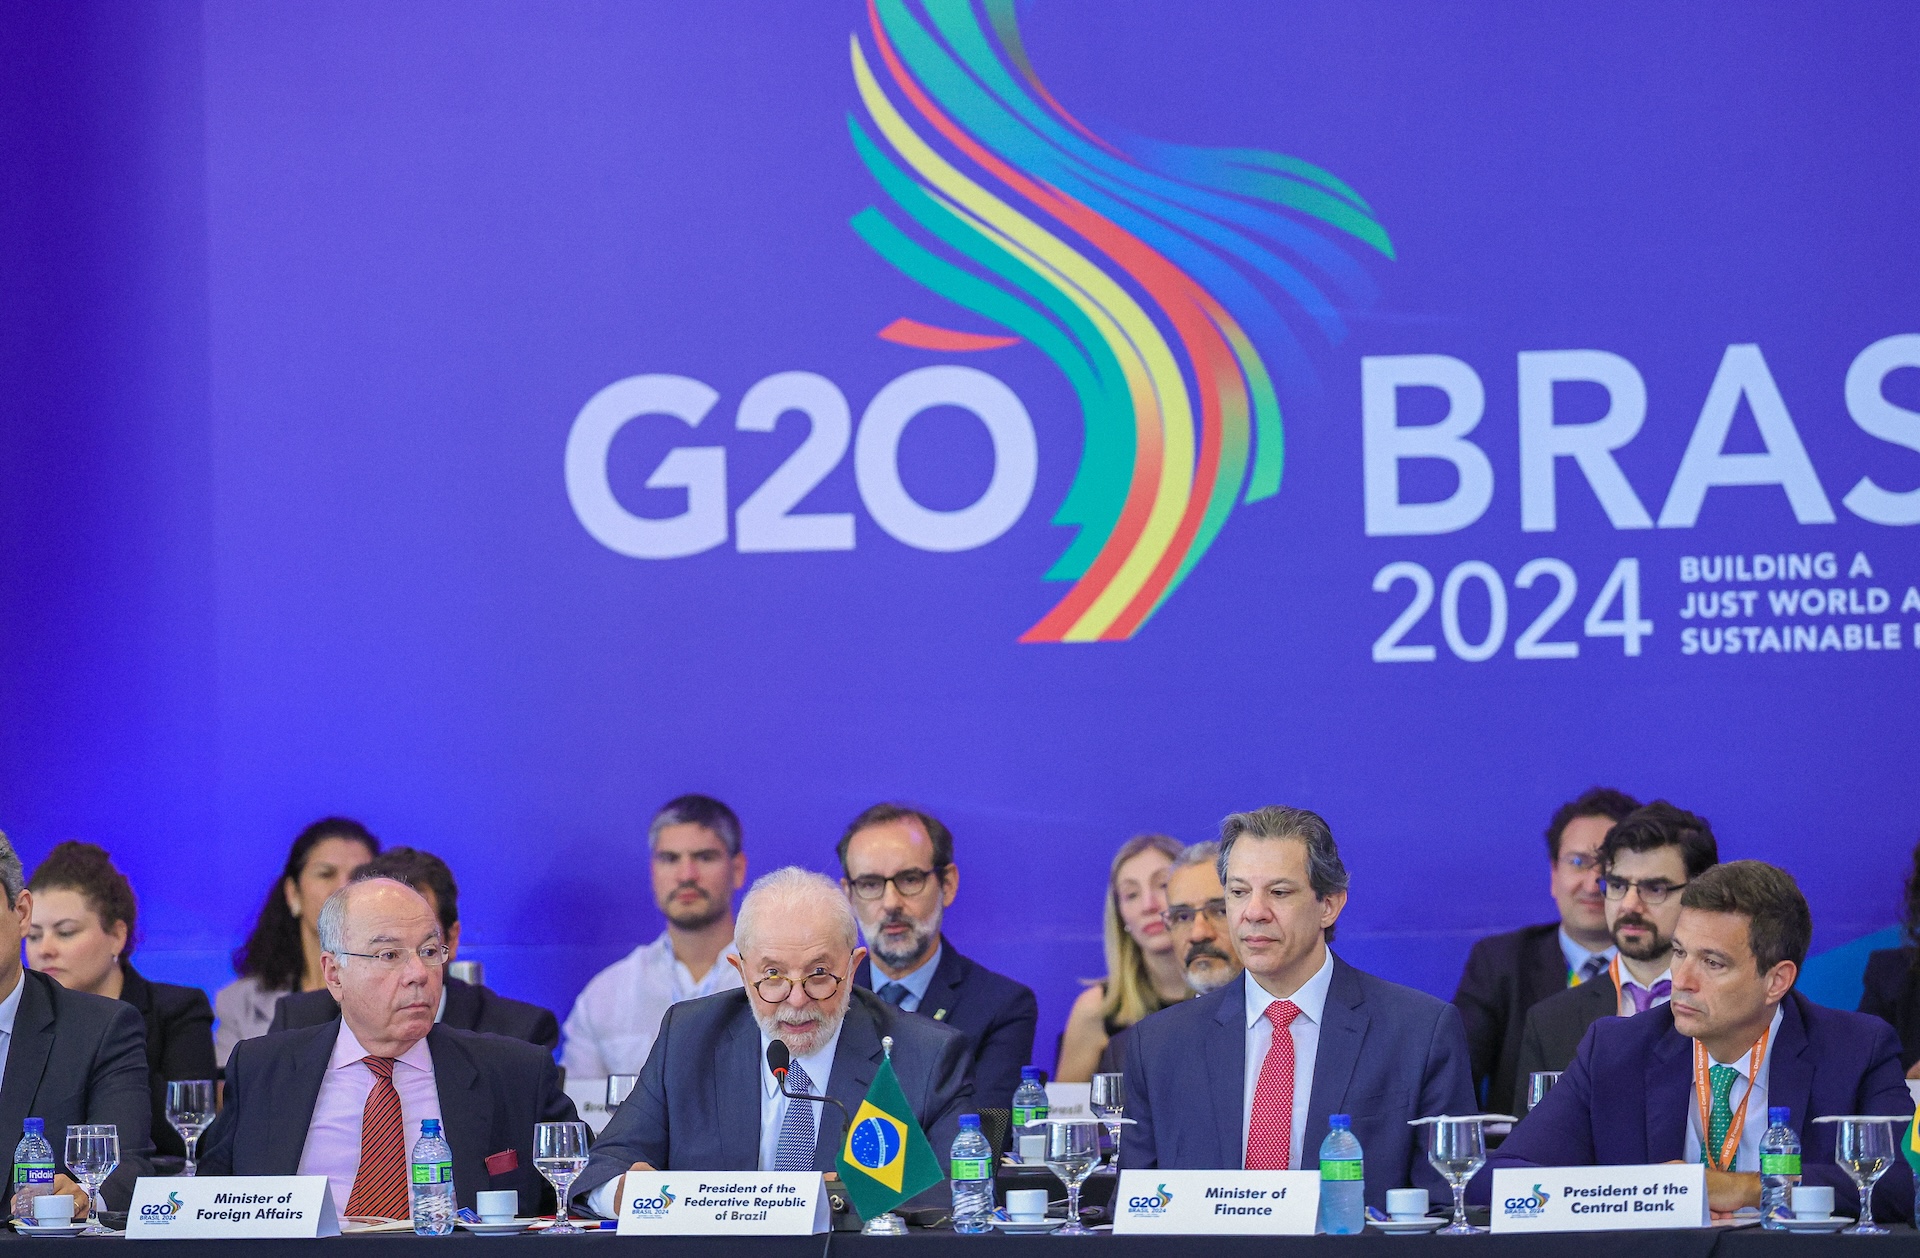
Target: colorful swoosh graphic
1141	269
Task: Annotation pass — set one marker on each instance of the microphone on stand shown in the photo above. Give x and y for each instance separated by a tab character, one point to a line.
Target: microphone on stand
779	1058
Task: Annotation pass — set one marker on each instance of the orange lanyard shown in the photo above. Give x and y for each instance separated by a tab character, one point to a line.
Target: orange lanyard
1702	1089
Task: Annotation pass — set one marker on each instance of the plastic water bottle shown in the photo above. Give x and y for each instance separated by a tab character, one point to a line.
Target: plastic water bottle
33	1163
971	1169
432	1186
1779	1167
1029	1101
1343	1180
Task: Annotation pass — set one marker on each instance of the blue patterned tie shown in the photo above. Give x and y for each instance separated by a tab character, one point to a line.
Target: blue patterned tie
893	993
795	1150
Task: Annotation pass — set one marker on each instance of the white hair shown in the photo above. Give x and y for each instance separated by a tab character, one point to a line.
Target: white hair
786	890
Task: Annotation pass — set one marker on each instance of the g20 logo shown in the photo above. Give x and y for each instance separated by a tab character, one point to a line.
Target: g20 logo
161	1211
654	1207
1530	1206
1150	1205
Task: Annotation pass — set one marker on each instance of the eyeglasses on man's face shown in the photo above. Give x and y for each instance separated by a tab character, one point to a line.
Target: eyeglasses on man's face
432	955
1652	890
1181	916
908	882
819	985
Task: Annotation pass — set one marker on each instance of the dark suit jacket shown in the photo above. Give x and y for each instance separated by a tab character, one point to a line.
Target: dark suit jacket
179	1024
1387	1054
492	1092
1506	975
996	1014
80	1058
470	1007
1554	1029
1624	1099
1892	992
697	1105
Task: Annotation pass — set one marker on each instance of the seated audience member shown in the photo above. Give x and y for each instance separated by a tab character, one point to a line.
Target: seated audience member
1645	862
1506	975
1197	921
1143	974
898	872
283	953
1735	1040
345	1099
69	1057
468	1006
1892	986
82	938
706	1100
697	867
1248	1075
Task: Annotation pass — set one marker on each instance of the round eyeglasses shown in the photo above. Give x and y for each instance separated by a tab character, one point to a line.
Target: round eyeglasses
819	985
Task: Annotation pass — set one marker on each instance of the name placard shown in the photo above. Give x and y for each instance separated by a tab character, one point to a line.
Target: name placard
1068	1100
1198	1203
240	1207
1599	1198
734	1203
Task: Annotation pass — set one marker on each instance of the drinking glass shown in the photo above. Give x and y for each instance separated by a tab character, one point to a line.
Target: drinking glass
1864	1151
560	1154
619	1088
1457	1148
93	1150
1073	1150
1537	1085
1108	1100
190	1110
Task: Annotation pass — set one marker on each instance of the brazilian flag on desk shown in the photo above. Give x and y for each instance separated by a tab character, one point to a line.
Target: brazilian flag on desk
886	1158
1910	1145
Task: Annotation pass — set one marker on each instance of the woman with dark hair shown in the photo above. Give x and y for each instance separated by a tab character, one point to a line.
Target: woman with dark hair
82	936
1892	986
282	954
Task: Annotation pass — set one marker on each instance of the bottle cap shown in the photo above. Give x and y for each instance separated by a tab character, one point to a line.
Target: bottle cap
37	1126
1779	1114
1340	1122
1029	1074
429	1127
969	1122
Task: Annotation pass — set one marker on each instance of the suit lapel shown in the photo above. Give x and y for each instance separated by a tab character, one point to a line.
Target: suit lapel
463	1006
1790	1063
1546	969
738	1086
1226	1057
1669	1083
292	1105
856	1060
943	993
27	1055
466	1112
1343	1030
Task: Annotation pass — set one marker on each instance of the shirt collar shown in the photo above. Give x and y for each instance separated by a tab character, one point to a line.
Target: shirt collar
1577	955
818	1064
1310	1000
347	1052
918	981
10	1007
1627	978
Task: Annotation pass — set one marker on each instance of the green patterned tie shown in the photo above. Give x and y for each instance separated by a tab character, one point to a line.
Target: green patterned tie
1720	1117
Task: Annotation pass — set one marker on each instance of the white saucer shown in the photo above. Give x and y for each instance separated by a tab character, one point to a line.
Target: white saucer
506	1227
1012	1228
1832	1223
1407	1227
52	1229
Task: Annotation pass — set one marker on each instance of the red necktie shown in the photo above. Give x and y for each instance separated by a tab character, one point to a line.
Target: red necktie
1270	1130
380	1185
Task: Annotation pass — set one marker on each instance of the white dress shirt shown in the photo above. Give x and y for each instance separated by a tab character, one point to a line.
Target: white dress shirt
9	1010
333	1134
613	1024
1747	1157
1311	1000
916	983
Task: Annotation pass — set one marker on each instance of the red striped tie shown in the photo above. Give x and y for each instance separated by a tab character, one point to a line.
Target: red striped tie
380	1185
1270	1129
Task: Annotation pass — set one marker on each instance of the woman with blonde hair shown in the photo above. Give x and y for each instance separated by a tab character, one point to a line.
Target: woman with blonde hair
1143	974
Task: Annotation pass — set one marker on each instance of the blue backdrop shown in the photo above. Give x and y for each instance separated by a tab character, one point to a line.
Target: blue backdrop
304	509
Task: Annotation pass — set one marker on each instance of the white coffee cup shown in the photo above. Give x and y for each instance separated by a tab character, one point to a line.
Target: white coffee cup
1033	1147
1027	1205
52	1211
497	1206
1407	1203
1812	1201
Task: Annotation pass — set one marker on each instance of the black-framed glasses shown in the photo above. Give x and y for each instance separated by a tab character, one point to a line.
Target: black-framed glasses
432	955
1181	916
819	985
1652	890
908	882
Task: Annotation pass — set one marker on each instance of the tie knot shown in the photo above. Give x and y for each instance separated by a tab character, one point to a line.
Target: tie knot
797	1078
893	993
382	1067
1721	1078
1282	1013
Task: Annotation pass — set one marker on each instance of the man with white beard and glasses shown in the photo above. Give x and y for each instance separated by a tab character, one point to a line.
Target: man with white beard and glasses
899	875
706	1100
1196	917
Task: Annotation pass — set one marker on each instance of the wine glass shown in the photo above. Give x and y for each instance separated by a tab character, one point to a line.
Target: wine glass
1457	1148
560	1154
93	1150
1864	1151
1073	1150
1538	1084
1108	1100
190	1110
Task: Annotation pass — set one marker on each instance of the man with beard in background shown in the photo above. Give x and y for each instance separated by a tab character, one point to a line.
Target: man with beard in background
898	873
1646	858
697	866
1197	919
724	1111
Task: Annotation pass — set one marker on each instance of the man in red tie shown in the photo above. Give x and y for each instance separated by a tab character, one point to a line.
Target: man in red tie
346	1099
1248	1075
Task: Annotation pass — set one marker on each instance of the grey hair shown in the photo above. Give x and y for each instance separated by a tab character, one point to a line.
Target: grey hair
789	888
697	810
1205	852
1326	874
332	925
12	874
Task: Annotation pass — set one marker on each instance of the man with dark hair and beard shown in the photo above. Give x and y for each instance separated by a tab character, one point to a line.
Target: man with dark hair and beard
697	867
1646	858
898	873
1196	917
